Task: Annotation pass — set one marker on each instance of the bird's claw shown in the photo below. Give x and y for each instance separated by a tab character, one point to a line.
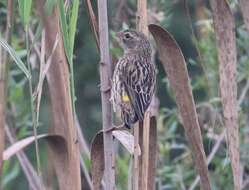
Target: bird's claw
115	128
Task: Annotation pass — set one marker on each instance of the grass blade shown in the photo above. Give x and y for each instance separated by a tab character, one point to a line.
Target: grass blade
73	24
64	28
25	10
15	57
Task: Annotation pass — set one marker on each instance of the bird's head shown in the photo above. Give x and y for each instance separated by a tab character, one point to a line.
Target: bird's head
132	40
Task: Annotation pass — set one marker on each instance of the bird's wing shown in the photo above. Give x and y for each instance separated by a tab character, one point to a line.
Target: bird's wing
139	82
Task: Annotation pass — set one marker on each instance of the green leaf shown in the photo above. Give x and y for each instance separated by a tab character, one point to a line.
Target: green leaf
15	57
21	9
25	10
73	25
64	28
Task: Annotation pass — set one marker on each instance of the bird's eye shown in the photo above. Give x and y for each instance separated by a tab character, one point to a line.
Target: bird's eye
127	36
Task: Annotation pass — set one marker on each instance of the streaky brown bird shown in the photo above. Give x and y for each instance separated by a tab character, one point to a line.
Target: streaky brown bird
134	78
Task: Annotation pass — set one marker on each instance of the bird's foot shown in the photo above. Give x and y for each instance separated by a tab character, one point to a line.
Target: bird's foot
116	128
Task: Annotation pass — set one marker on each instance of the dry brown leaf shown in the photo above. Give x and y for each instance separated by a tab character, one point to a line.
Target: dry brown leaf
97	160
35	182
97	153
175	67
224	26
127	140
21	144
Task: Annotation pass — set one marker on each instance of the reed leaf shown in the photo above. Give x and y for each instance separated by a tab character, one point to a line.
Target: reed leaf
15	57
73	24
25	10
64	28
175	66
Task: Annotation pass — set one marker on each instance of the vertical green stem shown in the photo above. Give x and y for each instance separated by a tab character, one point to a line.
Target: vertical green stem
33	114
72	85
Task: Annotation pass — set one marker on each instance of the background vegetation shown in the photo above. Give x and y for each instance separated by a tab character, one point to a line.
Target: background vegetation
190	22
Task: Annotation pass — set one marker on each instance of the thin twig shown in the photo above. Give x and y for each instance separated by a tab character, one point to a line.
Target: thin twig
33	113
93	22
45	67
243	93
3	77
83	150
196	46
42	62
36	46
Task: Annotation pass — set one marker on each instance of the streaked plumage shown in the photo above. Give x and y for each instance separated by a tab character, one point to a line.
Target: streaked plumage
134	78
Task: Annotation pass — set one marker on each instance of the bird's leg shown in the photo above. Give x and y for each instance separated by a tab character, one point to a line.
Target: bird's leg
115	128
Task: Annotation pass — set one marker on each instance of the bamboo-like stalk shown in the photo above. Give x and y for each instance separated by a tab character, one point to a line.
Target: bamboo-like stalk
66	161
105	75
3	77
224	25
145	134
138	128
142	16
145	155
137	168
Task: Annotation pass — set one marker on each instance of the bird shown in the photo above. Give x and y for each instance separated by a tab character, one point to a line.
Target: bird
134	77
